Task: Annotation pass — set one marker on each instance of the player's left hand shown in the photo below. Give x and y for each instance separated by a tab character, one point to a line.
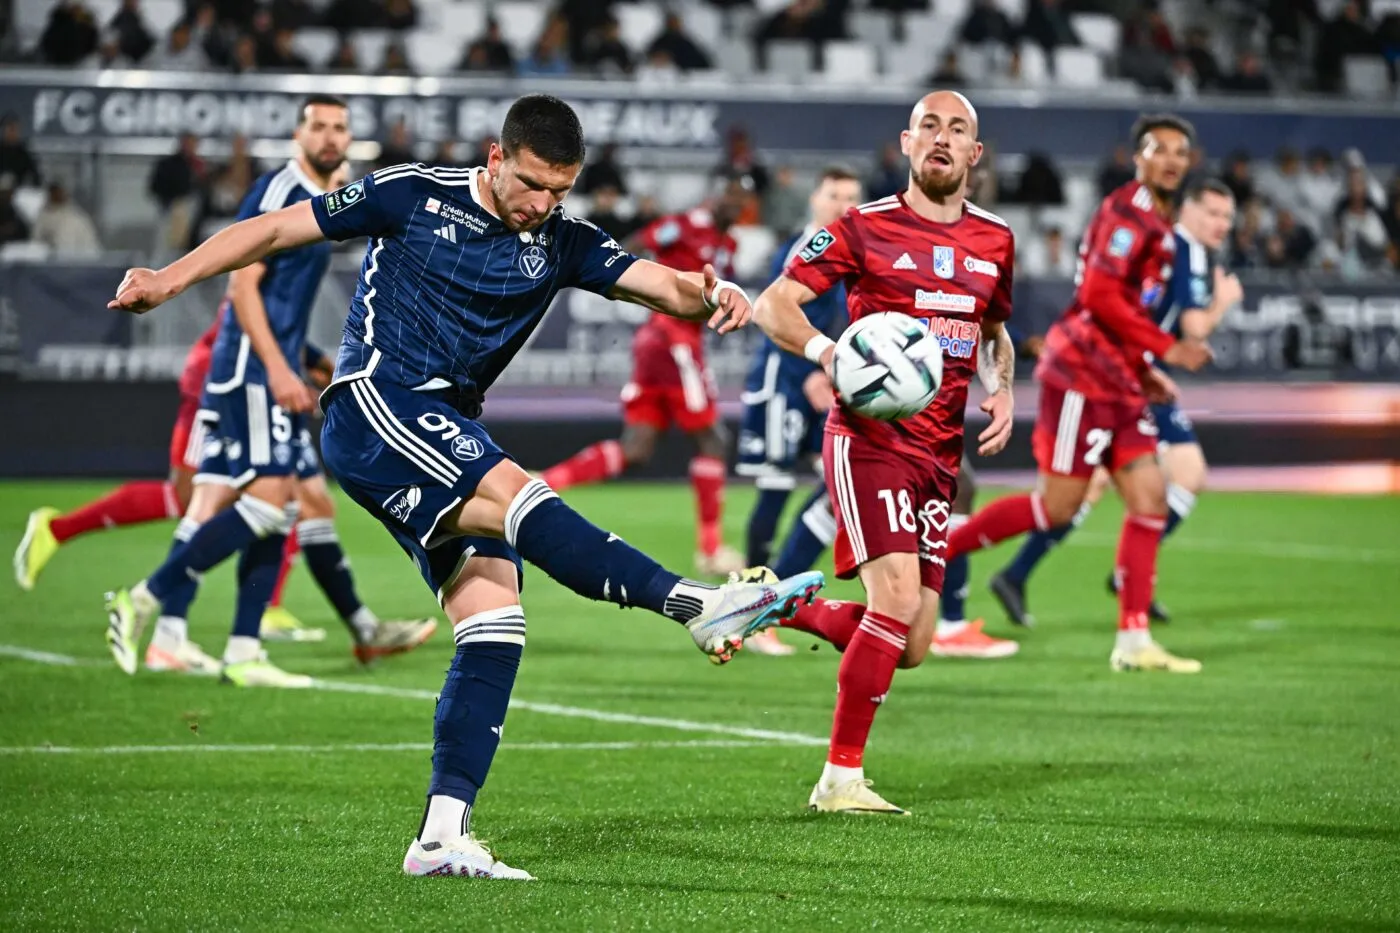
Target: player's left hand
140	291
1159	387
321	374
731	306
993	438
819	392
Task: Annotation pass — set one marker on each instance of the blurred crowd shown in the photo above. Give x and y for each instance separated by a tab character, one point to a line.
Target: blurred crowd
1240	46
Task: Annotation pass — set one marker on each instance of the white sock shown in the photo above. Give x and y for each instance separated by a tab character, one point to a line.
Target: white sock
364	622
950	627
1133	639
241	648
171	632
446	819
142	598
833	775
686	600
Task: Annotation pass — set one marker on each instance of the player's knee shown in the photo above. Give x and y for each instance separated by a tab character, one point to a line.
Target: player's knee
713	442
896	595
314	500
638	447
485	512
1060	510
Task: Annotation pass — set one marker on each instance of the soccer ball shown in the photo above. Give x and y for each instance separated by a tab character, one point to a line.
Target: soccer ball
887	366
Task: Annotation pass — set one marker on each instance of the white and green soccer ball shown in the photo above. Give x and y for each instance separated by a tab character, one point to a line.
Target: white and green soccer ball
887	366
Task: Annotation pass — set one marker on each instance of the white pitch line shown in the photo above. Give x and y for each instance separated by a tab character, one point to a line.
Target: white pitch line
1270	549
548	709
362	747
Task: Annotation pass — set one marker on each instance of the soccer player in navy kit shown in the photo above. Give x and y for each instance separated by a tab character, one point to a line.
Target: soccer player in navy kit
462	265
1195	300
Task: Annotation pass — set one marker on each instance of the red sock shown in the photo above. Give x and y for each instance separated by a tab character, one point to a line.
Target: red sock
1004	518
832	619
867	669
132	504
1136	568
707	479
593	464
289	557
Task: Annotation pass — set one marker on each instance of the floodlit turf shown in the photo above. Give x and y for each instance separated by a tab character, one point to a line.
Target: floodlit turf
1048	793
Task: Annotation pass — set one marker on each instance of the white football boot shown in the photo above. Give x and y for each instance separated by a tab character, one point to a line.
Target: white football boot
465	857
734	611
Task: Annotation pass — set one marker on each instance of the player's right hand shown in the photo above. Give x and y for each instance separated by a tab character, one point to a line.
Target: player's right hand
1188	354
1227	288
291	393
140	291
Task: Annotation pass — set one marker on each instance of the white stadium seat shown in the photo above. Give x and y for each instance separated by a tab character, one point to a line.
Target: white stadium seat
1076	66
1035	68
704	24
1098	31
162	15
907	64
369	49
316	45
790	59
521	22
432	54
640	24
873	26
848	62
463	20
1366	76
736	59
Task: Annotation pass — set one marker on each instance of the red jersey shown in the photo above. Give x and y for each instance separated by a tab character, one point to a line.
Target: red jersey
197	361
687	242
952	276
1100	347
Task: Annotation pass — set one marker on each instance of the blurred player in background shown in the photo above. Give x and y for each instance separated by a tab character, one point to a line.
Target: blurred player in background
670	384
1197	298
1097	377
258	454
491	247
786	397
929	253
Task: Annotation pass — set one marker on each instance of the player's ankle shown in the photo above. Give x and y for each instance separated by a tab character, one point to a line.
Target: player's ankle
834	774
241	649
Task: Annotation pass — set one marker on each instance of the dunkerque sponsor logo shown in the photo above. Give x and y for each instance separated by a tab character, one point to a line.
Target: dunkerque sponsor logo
944	301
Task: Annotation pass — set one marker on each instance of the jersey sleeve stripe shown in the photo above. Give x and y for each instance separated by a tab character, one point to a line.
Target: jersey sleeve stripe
275	197
450	177
985	214
869	205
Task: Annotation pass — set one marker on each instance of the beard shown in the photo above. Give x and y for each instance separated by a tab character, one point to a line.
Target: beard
326	166
937	186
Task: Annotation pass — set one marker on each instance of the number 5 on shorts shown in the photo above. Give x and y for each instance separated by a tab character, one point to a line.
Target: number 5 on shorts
903	519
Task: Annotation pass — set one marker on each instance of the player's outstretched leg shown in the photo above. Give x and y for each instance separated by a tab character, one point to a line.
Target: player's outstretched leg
47	530
600	565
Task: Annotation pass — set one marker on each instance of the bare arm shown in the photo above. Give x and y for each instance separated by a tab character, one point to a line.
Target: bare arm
234	247
996	358
248	308
778	313
691	296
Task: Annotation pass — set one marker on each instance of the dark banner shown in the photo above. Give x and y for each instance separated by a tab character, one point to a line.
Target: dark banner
116	105
54	325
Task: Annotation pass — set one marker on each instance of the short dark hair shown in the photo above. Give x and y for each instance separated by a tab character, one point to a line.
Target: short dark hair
1200	187
1150	122
837	173
319	100
545	125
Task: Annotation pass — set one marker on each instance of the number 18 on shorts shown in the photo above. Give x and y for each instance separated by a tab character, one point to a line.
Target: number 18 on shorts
886	504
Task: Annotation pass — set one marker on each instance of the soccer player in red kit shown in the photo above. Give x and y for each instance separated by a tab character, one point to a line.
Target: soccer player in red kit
1097	377
928	253
670	384
133	503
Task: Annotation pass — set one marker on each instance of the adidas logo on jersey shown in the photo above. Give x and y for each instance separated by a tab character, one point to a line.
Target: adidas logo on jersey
905	261
448	233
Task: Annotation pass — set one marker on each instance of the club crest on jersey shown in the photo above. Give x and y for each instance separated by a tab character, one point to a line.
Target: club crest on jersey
533	261
349	196
944	301
943	265
956	338
465	447
1120	244
817	245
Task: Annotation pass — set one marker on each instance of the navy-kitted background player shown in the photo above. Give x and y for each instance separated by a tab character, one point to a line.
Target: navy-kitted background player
461	266
1193	303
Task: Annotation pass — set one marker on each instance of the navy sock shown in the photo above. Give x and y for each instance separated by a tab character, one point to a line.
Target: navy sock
953	605
218	539
1180	502
257	575
1033	549
811	534
178	600
763	525
328	564
590	561
471	711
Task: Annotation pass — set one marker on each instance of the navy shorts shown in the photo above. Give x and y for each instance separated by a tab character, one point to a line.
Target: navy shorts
409	458
1173	425
248	435
776	434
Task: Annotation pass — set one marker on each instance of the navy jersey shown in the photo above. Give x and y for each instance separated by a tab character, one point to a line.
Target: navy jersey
1190	287
774	369
447	294
288	288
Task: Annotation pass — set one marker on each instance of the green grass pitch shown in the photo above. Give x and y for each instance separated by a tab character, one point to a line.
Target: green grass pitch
1048	793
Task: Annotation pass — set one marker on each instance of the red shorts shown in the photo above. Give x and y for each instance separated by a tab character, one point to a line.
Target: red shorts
670	385
885	504
187	437
1073	435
